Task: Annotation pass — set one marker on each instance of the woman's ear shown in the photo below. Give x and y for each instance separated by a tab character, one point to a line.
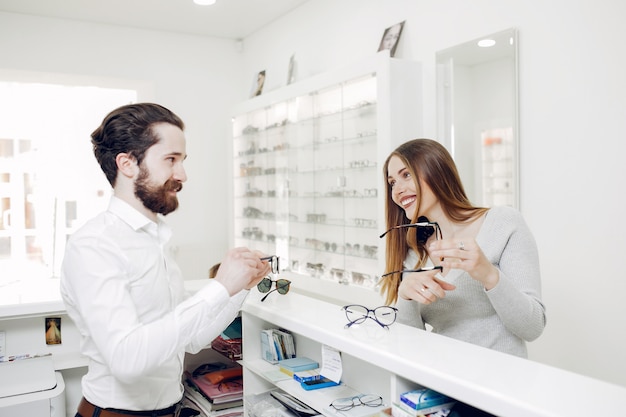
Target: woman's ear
126	164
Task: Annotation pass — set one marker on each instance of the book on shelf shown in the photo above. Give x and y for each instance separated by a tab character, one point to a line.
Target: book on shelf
225	391
195	399
298	364
402	410
307	375
423	400
277	345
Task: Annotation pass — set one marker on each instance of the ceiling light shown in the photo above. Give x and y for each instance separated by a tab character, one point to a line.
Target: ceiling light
204	2
486	43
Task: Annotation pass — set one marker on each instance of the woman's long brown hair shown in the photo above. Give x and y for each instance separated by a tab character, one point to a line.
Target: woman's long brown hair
429	161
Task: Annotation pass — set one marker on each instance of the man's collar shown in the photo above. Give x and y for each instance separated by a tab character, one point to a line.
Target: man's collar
128	213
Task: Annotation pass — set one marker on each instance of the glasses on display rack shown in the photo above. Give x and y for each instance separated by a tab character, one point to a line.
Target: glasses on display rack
425	229
426	268
348	403
385	316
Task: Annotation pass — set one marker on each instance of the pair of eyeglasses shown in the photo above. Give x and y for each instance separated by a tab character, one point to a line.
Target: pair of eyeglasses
348	403
425	229
282	286
427	268
274	262
385	316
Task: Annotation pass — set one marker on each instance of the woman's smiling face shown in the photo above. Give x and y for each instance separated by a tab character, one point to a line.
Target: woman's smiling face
404	191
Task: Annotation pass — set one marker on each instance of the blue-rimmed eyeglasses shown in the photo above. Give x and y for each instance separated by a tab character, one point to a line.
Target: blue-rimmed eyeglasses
348	403
427	268
385	316
425	229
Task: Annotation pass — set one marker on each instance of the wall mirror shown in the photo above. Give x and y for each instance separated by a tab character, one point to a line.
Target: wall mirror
477	115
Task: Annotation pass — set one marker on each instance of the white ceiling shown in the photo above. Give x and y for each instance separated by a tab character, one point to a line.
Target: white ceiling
232	19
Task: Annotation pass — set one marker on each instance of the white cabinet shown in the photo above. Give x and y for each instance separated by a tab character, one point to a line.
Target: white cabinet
391	362
307	180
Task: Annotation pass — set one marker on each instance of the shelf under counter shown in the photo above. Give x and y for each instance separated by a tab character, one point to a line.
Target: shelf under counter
495	382
317	399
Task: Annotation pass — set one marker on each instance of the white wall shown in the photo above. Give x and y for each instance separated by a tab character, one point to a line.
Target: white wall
573	119
194	76
573	97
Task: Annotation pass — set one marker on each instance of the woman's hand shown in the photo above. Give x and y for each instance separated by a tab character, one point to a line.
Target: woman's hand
423	287
465	254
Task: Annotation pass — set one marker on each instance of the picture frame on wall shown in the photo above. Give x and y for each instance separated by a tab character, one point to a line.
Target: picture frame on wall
257	84
390	38
291	71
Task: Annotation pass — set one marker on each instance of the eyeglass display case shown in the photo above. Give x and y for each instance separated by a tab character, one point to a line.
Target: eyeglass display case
307	179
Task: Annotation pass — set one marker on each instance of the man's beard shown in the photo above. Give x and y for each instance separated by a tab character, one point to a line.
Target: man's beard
157	198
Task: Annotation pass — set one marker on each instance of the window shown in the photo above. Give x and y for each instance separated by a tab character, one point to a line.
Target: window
50	182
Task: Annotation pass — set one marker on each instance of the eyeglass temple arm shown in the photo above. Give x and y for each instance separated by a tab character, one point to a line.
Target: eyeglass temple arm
269	292
421	224
433	268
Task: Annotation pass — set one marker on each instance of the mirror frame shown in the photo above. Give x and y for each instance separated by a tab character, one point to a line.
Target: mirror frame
450	62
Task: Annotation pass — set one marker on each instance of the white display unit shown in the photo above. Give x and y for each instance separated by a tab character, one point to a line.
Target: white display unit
391	362
307	180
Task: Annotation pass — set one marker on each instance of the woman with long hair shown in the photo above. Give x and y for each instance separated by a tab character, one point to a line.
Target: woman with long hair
467	272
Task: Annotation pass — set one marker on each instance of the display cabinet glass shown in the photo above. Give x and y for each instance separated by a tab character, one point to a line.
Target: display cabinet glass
307	169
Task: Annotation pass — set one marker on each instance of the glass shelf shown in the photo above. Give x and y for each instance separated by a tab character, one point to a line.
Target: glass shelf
306	170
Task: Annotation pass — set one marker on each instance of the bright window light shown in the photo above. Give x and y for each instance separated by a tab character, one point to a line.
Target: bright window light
50	182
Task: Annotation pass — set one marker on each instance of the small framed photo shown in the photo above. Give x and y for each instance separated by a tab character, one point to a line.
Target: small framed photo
53	330
257	84
291	71
390	39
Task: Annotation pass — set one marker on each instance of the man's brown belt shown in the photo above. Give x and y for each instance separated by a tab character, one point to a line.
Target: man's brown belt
87	409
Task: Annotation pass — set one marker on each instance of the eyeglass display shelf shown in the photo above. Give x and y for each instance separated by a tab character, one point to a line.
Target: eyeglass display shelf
390	362
306	158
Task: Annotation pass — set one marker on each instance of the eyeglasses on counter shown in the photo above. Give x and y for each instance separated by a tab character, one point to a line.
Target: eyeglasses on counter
385	316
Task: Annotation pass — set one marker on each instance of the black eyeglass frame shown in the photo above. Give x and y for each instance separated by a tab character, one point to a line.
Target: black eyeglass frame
424	269
435	225
274	262
367	315
376	402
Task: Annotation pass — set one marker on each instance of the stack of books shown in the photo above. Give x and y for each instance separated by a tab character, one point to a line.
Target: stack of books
218	393
277	345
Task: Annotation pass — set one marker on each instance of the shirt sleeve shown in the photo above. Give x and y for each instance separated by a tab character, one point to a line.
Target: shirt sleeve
222	320
96	289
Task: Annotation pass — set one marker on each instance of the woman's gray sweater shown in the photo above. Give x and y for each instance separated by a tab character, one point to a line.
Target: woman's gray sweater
502	318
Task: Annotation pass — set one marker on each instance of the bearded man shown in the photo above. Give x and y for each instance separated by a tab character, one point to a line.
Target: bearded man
121	286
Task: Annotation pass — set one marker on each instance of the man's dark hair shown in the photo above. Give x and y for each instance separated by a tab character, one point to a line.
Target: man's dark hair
128	129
